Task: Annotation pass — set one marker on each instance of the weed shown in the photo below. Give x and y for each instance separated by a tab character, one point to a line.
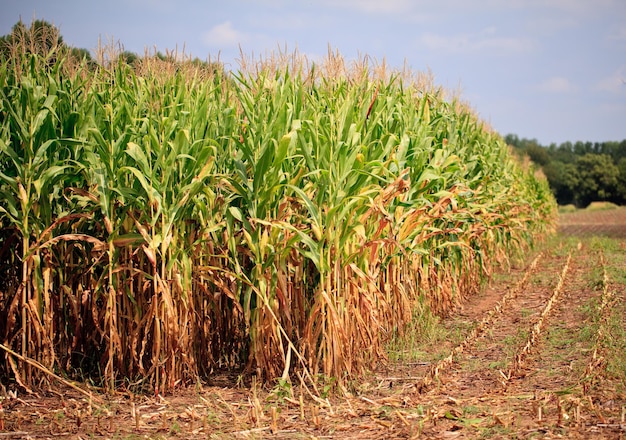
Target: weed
500	364
281	390
471	410
175	428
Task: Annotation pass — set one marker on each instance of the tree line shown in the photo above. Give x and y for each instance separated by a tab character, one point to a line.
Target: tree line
579	173
43	38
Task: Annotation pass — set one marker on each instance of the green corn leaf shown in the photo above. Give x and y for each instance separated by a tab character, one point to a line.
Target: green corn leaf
140	158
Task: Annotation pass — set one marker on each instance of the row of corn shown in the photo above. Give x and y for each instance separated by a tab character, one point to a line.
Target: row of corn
160	224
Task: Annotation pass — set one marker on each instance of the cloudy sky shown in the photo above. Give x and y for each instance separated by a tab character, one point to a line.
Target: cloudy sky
553	70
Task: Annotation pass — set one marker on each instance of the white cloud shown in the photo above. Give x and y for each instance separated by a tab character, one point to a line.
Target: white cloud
556	84
486	41
224	34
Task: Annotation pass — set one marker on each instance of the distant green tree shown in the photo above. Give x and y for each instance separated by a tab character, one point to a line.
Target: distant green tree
619	151
163	57
129	57
41	38
620	196
537	154
565	153
81	54
581	148
213	67
563	179
512	139
579	172
528	147
598	178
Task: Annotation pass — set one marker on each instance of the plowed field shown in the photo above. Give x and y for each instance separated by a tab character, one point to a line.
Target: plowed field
607	223
538	354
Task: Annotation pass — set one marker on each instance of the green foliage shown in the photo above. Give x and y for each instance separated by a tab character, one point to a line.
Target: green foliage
129	57
598	178
564	180
620	188
580	172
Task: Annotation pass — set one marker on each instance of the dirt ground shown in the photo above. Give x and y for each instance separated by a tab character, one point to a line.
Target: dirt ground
538	354
609	222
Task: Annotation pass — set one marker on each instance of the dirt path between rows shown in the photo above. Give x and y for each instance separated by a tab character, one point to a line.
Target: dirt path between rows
538	354
526	376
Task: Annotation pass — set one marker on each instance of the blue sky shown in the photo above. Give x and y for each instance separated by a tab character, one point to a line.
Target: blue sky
554	70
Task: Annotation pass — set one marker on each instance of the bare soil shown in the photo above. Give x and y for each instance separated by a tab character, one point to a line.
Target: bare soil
607	222
538	354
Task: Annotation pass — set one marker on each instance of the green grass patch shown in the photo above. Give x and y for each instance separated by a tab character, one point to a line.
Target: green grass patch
426	338
601	206
616	344
415	341
566	209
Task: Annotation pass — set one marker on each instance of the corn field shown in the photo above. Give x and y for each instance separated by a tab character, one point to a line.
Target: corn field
162	223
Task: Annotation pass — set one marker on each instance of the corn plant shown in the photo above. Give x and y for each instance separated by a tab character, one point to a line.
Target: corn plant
159	223
35	160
